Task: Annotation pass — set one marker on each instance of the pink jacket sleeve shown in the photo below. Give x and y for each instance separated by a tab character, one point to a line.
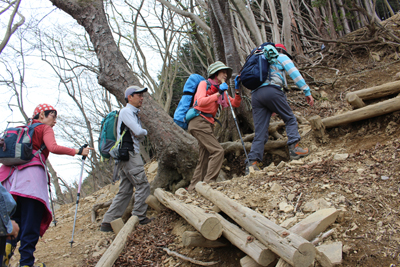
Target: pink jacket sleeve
236	101
51	144
202	98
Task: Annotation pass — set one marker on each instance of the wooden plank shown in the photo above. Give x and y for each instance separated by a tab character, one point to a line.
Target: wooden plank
113	251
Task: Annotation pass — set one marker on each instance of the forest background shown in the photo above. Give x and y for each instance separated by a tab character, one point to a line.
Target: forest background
80	56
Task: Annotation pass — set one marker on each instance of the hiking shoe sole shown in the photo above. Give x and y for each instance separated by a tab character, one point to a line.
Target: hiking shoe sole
106	227
251	164
146	221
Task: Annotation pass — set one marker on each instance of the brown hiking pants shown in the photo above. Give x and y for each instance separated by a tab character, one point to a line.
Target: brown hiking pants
211	154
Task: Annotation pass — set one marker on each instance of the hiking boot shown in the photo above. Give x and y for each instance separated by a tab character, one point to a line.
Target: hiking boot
106	227
146	221
252	163
296	152
9	252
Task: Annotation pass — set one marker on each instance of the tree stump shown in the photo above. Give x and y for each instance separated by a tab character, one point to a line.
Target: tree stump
318	129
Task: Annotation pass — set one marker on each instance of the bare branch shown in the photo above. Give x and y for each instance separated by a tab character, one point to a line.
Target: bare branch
10	27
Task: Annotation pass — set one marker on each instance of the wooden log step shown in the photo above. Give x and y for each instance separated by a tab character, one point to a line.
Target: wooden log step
355	101
293	248
367	112
113	251
195	239
377	91
247	243
206	223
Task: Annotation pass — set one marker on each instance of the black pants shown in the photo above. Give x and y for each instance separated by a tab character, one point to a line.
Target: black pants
28	216
2	247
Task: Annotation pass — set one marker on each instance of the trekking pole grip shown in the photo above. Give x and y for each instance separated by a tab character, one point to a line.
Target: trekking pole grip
82	147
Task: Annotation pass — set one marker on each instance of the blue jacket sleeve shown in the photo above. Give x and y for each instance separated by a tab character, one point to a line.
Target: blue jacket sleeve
294	73
7	207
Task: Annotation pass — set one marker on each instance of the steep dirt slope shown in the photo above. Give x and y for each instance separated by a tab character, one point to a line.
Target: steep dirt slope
357	172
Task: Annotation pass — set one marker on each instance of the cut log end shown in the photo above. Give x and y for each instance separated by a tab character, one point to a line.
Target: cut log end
304	256
355	101
266	257
211	229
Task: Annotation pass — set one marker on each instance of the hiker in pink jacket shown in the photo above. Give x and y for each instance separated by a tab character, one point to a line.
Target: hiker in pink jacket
207	102
28	182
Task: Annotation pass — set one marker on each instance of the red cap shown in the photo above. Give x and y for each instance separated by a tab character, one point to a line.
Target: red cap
43	107
280	46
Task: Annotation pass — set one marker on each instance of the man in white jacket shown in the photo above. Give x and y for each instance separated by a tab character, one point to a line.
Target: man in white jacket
131	169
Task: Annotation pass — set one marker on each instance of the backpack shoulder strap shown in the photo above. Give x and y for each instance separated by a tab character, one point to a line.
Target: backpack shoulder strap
191	102
36	124
116	123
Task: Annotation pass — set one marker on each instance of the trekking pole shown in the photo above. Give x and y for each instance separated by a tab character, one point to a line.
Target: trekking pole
77	197
237	126
52	208
48	181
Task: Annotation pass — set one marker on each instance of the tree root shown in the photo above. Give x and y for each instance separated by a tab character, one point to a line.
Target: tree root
185	258
99	206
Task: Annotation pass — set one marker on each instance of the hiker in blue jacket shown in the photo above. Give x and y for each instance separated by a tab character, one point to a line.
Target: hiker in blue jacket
270	98
8	227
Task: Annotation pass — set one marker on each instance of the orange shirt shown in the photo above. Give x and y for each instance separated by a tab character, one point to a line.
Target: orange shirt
208	104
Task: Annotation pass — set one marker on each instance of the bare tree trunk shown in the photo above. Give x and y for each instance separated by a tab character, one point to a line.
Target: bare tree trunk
336	13
296	40
176	149
370	7
220	10
286	26
345	23
217	39
320	24
248	18
275	22
331	25
389	7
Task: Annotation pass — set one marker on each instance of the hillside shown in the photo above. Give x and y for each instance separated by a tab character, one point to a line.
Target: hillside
356	171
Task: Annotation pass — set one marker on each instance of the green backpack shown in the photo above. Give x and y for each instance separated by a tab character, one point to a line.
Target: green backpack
108	133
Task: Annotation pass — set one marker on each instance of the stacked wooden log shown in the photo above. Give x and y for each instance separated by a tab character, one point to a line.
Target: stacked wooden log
357	98
261	239
361	110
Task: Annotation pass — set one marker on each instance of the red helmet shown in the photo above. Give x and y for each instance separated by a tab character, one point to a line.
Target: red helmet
280	46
